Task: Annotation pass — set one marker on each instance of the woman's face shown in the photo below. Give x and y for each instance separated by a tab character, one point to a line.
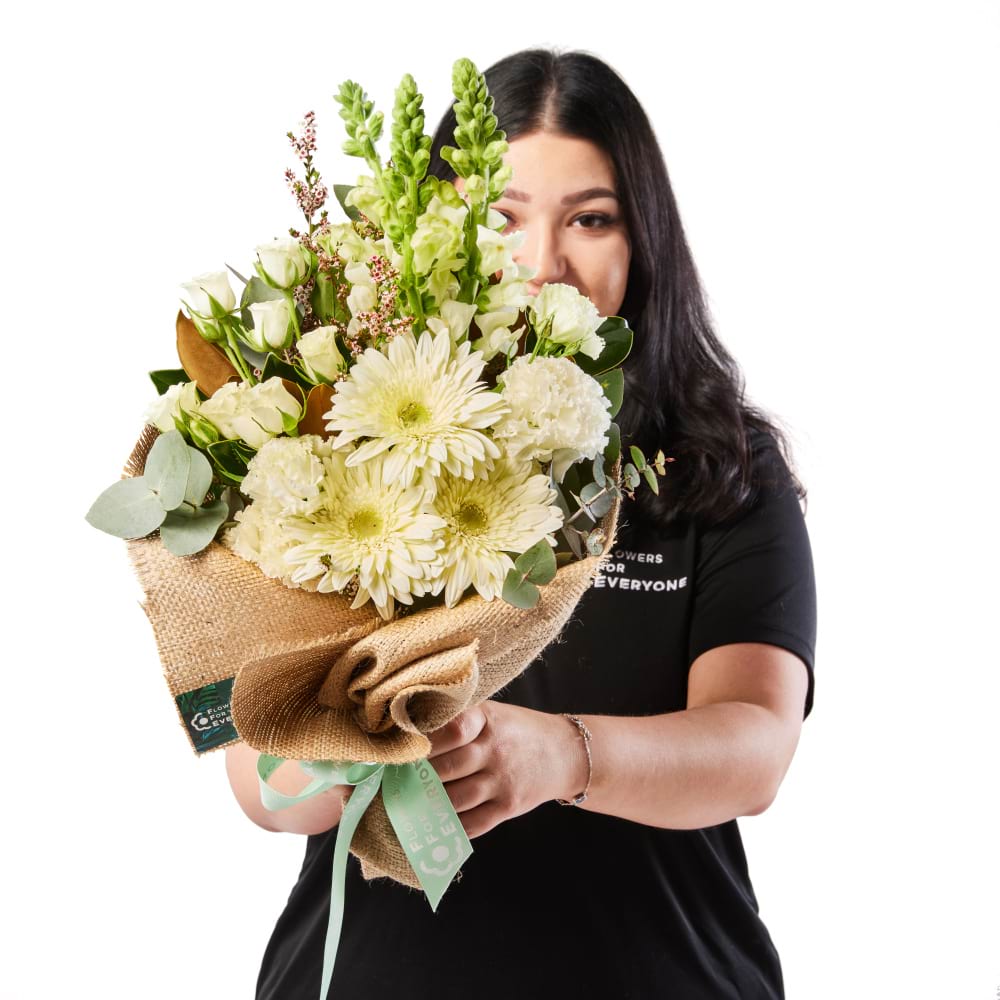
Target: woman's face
563	195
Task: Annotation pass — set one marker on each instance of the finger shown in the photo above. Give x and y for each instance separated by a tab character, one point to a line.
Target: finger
460	762
463	729
467	793
481	819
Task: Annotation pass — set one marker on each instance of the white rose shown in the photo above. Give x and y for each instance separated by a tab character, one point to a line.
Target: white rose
163	409
320	353
574	317
214	283
267	401
283	263
272	326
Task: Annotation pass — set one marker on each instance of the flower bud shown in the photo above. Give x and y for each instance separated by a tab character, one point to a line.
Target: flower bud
320	354
283	263
272	326
205	287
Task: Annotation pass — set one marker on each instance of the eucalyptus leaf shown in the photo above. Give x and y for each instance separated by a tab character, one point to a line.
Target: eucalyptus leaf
595	542
631	476
599	469
199	478
166	377
613	386
597	499
573	536
637	457
617	337
538	563
127	509
650	475
520	593
185	531
167	468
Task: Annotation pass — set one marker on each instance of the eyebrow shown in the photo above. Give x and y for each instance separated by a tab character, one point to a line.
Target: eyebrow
570	199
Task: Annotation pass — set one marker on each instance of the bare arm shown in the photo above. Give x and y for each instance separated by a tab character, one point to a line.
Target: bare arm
315	815
722	757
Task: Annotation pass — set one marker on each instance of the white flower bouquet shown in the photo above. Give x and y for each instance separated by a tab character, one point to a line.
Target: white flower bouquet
383	476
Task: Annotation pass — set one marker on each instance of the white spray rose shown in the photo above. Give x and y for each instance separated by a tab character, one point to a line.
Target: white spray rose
320	353
283	263
558	413
252	413
272	326
214	283
574	317
163	409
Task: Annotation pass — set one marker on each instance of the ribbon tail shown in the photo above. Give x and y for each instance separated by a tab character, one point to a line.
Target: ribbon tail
355	808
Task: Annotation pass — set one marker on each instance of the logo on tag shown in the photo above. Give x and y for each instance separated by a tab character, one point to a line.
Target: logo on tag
207	715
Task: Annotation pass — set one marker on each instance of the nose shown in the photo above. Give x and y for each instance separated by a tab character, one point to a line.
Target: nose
542	250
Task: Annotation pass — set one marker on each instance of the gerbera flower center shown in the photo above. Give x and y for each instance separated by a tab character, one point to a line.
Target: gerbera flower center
366	524
413	414
471	519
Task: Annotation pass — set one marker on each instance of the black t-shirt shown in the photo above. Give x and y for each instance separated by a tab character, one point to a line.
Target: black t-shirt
563	901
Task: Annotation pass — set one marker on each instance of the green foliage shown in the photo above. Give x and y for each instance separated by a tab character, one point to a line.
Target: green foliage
613	385
341	191
617	337
166	377
536	566
188	530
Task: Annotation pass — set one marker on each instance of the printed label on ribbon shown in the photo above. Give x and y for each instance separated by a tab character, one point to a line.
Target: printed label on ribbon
426	825
207	715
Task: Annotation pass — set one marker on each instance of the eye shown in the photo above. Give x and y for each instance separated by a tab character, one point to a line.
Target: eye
597	220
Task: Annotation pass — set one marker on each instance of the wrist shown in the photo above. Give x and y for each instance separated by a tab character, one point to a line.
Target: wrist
573	752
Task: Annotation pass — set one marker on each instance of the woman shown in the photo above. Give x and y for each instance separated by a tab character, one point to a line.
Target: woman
688	664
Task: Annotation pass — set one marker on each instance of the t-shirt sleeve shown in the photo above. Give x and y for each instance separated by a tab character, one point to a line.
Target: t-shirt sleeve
754	580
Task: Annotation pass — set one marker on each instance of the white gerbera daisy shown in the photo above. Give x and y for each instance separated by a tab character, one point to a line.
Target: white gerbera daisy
485	519
419	405
372	527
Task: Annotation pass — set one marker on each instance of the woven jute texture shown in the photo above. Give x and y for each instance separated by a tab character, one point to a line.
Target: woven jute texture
318	681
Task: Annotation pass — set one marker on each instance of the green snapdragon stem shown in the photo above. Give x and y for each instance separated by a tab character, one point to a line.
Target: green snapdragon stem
418	807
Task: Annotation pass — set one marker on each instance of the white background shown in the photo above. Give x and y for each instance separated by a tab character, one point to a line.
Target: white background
837	171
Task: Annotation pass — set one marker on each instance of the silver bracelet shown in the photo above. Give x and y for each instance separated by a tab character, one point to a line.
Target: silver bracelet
585	733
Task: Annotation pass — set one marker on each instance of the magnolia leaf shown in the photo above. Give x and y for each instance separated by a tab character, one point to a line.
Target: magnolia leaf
127	509
637	457
199	478
341	191
617	337
273	365
538	563
613	386
185	531
318	402
203	362
521	593
651	479
166	377
614	448
230	458
167	467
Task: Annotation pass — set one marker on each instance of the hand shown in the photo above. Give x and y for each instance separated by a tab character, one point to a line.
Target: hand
498	761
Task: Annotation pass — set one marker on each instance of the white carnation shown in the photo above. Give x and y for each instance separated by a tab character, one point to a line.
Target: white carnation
286	475
558	413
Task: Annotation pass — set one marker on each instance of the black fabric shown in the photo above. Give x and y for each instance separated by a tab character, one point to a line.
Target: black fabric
567	902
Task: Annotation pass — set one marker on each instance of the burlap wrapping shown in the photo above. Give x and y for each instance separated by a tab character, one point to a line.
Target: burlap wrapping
315	680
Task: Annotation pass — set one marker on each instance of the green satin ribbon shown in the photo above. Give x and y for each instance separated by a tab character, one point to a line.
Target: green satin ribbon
418	807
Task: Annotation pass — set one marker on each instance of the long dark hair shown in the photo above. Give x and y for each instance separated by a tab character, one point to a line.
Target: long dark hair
684	392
